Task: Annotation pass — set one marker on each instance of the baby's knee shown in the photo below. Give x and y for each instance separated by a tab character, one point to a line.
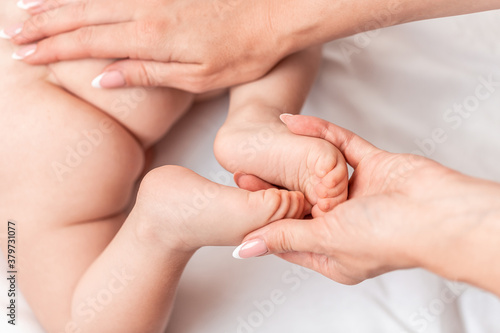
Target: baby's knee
103	165
71	165
160	198
161	185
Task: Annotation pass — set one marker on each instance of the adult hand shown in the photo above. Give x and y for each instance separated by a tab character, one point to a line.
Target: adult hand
194	45
202	45
403	211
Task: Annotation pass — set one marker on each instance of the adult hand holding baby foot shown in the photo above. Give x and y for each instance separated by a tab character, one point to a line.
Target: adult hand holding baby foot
403	211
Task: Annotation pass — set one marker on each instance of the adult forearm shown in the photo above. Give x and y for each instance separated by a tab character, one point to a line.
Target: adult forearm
302	23
465	244
484	250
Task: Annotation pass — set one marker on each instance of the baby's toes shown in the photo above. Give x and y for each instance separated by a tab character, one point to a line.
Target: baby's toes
327	204
297	207
335	175
325	164
324	205
284	207
332	189
285	204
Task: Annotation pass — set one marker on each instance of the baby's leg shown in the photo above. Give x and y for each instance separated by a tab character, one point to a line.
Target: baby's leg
254	141
147	113
80	268
177	211
69	177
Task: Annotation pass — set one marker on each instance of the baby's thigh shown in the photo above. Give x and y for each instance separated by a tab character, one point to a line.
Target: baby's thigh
67	174
67	161
146	112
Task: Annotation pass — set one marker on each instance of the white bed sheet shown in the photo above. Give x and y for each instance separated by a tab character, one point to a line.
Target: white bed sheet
394	89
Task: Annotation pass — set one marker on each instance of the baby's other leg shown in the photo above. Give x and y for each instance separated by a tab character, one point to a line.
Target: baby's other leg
254	141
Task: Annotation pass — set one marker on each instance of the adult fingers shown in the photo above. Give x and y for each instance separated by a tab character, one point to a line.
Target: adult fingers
102	41
184	76
352	146
251	182
39	6
71	17
283	237
320	263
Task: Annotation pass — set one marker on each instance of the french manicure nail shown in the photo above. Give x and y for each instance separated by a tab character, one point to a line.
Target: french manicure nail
27	4
285	116
10	32
112	79
250	249
24	52
3	35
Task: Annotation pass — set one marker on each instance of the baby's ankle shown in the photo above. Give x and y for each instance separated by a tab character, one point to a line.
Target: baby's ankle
255	113
245	136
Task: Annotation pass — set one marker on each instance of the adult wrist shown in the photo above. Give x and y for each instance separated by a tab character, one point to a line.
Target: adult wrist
464	244
300	23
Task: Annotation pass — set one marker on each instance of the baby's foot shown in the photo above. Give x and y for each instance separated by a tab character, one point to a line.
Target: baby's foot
180	208
270	151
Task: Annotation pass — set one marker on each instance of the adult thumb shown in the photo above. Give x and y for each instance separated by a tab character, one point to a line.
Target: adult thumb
352	146
130	73
282	237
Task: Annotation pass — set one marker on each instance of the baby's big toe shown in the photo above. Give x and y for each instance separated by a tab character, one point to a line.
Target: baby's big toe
332	186
326	160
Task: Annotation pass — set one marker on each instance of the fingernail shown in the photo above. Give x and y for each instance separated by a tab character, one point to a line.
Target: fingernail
24	52
27	4
112	79
10	32
285	116
237	176
250	249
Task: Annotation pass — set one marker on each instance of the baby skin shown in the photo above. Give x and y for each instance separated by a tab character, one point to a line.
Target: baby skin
77	241
75	155
254	141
